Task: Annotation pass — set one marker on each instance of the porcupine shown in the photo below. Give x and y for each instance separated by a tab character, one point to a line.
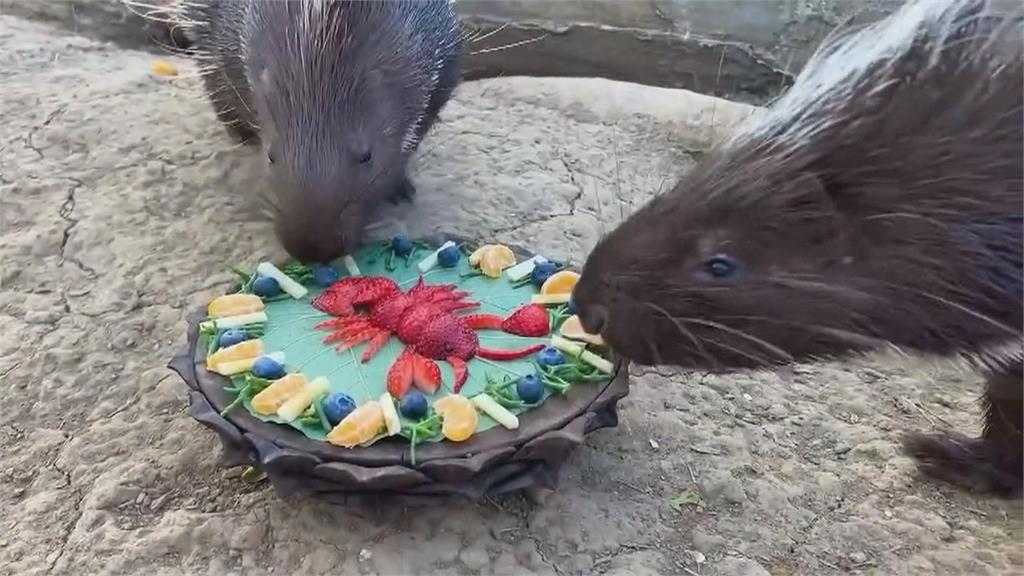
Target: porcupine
877	203
337	93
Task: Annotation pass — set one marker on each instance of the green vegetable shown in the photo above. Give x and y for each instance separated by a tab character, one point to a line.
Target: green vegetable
427	428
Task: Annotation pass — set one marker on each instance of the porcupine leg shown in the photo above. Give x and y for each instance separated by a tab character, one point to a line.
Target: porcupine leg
991	464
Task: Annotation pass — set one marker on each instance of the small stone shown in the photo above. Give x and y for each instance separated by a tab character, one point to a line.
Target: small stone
365	555
858	557
157	502
140	498
42	317
654	443
698	557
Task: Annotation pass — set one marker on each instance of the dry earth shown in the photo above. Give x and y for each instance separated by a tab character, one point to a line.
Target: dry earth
121	203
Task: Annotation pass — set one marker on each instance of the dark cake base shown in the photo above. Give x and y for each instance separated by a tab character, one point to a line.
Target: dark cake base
492	462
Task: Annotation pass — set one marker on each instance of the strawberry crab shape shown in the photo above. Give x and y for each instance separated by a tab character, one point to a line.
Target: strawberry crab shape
425	319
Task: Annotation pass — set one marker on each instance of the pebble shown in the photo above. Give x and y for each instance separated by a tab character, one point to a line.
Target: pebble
140	498
858	557
42	317
365	555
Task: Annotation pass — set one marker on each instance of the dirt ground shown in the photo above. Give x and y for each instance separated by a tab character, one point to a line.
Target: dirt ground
122	201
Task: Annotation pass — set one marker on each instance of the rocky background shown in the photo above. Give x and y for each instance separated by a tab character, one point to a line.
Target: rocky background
121	202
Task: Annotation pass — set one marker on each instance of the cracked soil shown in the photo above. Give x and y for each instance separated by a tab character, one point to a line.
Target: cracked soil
121	203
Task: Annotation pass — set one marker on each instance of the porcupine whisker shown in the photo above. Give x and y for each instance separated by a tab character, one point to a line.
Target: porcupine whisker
475	37
685	332
735	332
842	333
973	313
507	46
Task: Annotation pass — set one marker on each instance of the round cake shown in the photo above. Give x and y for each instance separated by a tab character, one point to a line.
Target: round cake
423	367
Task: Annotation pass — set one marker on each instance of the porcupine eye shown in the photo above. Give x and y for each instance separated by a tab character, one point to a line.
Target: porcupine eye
720	266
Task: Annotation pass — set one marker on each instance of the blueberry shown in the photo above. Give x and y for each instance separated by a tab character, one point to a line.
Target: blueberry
542	271
324	274
449	257
530	389
413	406
550	356
265	287
401	245
337	406
232	337
267	368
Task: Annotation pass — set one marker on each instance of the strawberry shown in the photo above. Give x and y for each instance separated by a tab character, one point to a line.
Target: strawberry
425	375
373	289
460	371
527	320
375	345
400	374
336	302
505	355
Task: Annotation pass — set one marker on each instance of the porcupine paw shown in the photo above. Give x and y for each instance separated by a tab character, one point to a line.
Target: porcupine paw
404	193
969	463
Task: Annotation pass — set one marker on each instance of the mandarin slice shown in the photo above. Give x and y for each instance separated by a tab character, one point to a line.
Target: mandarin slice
234	305
458	417
560	283
241	351
572	328
361	425
274	396
495	260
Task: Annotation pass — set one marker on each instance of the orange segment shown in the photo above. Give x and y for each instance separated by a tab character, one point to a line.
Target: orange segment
560	283
234	305
274	396
458	417
496	259
241	351
572	328
361	425
474	258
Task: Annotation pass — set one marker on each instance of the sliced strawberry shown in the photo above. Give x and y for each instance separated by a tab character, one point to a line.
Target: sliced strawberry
348	323
460	371
527	320
354	338
375	345
426	375
336	302
372	289
505	355
400	374
483	321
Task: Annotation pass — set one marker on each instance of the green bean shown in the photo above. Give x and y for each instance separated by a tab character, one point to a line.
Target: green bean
238	400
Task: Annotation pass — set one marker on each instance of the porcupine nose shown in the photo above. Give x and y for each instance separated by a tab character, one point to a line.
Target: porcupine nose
594	318
307	246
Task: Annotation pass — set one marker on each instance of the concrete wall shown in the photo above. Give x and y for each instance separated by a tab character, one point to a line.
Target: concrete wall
746	50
